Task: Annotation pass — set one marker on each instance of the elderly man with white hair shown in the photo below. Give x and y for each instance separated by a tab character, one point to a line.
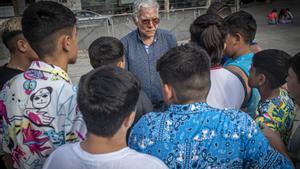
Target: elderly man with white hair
144	46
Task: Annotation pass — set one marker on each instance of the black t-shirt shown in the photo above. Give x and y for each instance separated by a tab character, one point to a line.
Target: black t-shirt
7	73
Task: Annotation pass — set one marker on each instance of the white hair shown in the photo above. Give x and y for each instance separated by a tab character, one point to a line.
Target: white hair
138	4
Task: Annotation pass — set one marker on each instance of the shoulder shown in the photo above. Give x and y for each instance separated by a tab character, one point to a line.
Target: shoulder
234	114
150	118
59	157
146	126
236	119
64	149
15	83
62	153
165	33
129	36
145	161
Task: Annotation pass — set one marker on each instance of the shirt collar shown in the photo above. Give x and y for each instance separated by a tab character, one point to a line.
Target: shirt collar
139	37
45	67
188	108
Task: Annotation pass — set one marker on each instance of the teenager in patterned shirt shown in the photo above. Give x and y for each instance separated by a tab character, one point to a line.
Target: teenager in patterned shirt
276	109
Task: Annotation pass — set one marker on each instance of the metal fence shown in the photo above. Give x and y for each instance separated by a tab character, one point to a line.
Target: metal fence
177	21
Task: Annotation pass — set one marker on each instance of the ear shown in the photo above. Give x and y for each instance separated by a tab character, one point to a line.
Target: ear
121	63
129	120
224	46
135	20
22	45
66	42
238	37
261	79
168	93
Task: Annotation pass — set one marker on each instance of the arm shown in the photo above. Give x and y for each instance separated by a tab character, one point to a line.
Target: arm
74	126
275	140
138	138
174	41
294	142
258	152
8	161
4	142
265	118
125	44
255	48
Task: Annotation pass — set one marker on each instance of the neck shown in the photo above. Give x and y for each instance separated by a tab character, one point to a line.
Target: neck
62	63
266	93
146	40
242	51
100	145
190	101
20	63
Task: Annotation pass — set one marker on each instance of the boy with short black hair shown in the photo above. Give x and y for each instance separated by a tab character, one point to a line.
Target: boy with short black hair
191	134
110	51
105	51
21	54
276	109
107	97
241	28
39	107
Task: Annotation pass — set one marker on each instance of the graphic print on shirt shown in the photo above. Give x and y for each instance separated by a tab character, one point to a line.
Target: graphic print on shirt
34	74
40	115
40	100
12	98
57	139
29	86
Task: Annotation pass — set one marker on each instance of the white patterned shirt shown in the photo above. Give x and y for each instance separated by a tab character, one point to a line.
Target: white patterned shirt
39	112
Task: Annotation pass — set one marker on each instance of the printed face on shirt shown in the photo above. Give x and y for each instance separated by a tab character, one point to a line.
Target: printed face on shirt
293	84
147	21
41	98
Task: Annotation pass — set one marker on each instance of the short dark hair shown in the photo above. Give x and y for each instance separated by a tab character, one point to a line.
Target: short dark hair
187	69
11	28
106	96
243	23
295	65
208	32
106	51
220	9
43	22
274	64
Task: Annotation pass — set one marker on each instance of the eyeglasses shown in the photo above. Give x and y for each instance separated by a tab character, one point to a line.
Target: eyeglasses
155	21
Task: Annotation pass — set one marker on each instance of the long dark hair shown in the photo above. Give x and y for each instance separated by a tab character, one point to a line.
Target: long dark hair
208	32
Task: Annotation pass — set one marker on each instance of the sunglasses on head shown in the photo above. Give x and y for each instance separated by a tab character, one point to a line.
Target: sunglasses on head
155	21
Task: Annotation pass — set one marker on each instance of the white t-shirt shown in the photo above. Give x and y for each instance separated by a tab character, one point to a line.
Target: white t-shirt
72	156
226	90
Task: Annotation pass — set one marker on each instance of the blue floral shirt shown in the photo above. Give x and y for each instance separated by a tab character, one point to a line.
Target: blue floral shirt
199	136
